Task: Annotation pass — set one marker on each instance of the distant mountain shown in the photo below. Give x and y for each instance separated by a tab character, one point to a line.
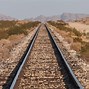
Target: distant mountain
44	18
64	17
72	16
41	18
4	17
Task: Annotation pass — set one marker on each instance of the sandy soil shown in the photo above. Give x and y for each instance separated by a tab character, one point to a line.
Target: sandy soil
79	26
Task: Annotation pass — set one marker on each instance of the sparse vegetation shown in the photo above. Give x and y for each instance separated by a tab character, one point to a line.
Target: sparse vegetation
59	25
29	25
77	39
7	24
16	30
77	33
8	28
63	26
3	34
85	51
76	46
87	35
73	36
85	47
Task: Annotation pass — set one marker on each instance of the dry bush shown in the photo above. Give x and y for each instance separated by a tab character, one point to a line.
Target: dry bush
76	46
8	28
69	40
77	39
65	27
3	34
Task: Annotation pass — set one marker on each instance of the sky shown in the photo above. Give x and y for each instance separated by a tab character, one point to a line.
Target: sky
21	9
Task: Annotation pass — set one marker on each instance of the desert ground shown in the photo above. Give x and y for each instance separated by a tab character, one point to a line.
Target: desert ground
80	26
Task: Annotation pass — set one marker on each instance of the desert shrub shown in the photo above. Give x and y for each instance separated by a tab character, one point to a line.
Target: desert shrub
77	39
88	34
13	29
3	34
69	39
29	25
85	51
62	26
59	25
22	28
77	33
85	48
76	46
16	30
6	24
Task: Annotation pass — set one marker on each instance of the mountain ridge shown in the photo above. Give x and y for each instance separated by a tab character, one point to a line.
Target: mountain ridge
42	18
4	17
64	17
73	16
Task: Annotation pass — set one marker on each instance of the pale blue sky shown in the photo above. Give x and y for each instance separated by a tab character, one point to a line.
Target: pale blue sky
32	8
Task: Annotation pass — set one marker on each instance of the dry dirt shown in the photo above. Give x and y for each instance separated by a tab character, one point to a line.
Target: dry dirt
79	26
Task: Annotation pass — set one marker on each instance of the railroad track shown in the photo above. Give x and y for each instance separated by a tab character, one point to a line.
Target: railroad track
43	66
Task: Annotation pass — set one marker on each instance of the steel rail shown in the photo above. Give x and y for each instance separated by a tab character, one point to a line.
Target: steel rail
71	75
24	59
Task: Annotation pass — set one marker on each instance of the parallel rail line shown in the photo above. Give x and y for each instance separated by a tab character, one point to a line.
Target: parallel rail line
69	77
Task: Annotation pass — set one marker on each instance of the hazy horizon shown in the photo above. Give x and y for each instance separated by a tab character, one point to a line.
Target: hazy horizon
31	8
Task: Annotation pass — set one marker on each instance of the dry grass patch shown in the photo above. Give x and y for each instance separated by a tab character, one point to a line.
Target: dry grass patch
69	40
8	28
76	46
